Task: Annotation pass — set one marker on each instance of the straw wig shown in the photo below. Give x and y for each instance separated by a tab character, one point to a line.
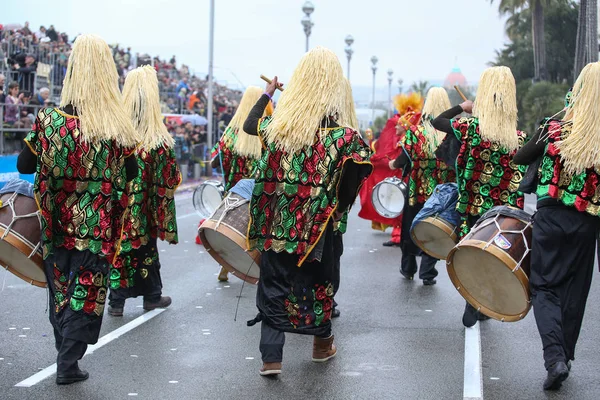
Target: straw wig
348	117
436	102
496	107
245	144
580	149
91	86
140	95
315	91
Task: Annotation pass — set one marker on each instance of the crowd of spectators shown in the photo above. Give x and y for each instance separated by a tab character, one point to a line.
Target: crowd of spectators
181	91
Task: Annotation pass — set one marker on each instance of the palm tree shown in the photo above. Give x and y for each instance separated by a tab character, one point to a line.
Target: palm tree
586	49
537	29
420	87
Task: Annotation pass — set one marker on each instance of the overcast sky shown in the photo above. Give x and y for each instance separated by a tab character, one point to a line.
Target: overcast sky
419	39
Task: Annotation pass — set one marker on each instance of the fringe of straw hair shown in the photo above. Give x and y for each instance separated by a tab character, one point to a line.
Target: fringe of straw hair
245	144
142	102
580	150
348	116
436	102
91	86
315	91
496	107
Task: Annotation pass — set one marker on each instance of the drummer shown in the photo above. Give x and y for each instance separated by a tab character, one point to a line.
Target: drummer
565	224
295	291
486	174
237	152
151	213
92	139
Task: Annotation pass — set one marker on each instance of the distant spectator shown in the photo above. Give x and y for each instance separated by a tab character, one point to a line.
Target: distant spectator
27	73
11	111
183	85
42	98
51	33
41	35
2	83
173	62
25	30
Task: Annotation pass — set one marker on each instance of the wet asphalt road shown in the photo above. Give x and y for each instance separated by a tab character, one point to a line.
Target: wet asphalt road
397	339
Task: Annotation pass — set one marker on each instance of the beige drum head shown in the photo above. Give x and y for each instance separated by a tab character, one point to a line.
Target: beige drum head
486	281
19	264
435	237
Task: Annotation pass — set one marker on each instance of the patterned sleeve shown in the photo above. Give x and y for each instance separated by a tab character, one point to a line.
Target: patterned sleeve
168	178
32	140
356	168
461	127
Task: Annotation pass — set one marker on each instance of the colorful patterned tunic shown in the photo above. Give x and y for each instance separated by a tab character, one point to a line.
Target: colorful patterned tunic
486	174
426	170
235	167
581	191
296	194
77	186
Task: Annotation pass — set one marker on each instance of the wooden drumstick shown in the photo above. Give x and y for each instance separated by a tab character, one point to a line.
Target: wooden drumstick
460	93
264	78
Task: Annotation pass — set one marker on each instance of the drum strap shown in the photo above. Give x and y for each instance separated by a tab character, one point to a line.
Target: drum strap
500	232
230	204
11	203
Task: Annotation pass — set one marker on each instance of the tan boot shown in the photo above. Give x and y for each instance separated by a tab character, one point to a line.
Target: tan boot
270	369
223	277
323	349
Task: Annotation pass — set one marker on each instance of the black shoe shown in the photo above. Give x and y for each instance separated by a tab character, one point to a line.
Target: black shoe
67	379
569	365
164	302
470	316
115	311
482	317
391	244
429	282
406	275
556	376
336	313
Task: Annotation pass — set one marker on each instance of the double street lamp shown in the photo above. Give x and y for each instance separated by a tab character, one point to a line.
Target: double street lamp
390	79
349	40
307	23
374	69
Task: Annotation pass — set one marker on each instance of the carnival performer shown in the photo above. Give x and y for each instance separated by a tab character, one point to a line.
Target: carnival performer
151	213
308	177
566	223
237	152
485	172
82	156
387	148
420	141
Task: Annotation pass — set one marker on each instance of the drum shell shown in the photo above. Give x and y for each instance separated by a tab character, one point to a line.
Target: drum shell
24	235
381	208
486	237
203	193
233	226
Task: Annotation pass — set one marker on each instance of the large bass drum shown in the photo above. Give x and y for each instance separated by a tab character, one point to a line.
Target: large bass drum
224	234
21	233
389	197
207	197
490	266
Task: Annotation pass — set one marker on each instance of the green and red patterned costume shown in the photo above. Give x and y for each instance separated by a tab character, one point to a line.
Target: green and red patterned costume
426	170
486	174
78	187
579	190
235	166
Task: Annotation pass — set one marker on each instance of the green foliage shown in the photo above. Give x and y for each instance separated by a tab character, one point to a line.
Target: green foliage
378	125
543	99
420	87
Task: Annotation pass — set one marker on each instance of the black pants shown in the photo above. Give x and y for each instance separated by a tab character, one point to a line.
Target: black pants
70	351
410	251
272	341
338	250
562	263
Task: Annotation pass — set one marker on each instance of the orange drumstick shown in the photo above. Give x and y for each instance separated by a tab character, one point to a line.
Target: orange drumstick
264	78
460	93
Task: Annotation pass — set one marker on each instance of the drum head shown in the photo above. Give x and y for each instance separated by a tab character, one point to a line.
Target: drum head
22	266
388	198
228	252
486	281
435	236
207	198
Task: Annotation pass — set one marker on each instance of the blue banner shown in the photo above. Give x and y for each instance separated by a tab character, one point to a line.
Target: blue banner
8	170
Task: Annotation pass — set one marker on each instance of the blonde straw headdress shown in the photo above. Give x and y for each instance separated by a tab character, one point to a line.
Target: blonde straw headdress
348	117
315	91
142	102
436	102
245	144
496	107
91	86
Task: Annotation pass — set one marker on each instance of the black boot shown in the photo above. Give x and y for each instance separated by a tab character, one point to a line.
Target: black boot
470	316
77	375
557	374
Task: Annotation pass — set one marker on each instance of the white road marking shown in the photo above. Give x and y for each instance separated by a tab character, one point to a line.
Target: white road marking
473	386
104	340
187	216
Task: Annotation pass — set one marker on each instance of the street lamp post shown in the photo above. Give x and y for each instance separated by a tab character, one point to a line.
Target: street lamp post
211	40
307	23
400	83
374	69
349	51
390	74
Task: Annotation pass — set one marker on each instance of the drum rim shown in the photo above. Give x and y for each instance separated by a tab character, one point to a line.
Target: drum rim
198	191
443	226
24	249
508	262
390	181
223	228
